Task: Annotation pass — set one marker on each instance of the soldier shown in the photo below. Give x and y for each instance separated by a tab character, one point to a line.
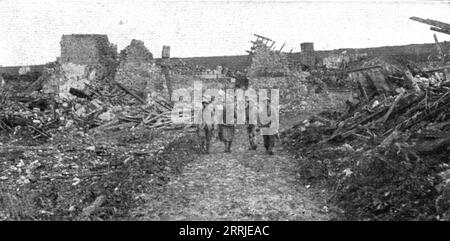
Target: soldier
226	131
241	80
251	128
204	131
269	138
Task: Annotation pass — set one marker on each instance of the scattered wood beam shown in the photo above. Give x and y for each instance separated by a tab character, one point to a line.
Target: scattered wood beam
362	69
440	30
432	22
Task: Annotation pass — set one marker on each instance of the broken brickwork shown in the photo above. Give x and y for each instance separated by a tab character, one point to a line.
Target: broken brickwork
138	71
86	49
85	58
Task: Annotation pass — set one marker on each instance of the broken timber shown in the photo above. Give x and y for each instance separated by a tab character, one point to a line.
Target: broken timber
438	26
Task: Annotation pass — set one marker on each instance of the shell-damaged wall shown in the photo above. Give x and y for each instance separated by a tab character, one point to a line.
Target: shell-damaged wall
138	71
84	58
86	48
90	50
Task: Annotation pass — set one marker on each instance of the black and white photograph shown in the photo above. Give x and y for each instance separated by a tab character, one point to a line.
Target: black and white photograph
224	110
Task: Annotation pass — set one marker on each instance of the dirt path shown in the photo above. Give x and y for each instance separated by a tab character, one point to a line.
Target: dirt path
242	185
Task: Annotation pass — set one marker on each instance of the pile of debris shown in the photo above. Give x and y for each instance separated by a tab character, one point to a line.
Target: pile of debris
104	108
88	137
382	156
138	71
95	176
265	60
90	94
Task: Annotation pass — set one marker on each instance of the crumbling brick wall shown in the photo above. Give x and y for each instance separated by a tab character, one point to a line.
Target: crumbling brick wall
85	58
86	49
138	71
297	92
308	57
90	50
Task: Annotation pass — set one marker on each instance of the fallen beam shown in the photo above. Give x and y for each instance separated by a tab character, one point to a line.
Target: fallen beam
440	30
432	22
363	69
442	68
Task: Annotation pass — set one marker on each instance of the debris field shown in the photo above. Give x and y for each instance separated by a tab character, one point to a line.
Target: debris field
89	136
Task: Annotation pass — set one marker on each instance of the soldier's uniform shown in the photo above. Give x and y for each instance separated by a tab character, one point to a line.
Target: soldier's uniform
269	139
204	132
251	129
226	132
269	143
226	135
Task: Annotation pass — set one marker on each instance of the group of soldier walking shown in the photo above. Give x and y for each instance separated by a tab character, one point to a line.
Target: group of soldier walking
225	131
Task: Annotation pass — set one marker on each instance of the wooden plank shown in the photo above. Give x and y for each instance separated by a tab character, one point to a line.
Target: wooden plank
431	22
440	30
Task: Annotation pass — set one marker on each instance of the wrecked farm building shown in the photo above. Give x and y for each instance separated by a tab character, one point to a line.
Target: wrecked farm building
368	125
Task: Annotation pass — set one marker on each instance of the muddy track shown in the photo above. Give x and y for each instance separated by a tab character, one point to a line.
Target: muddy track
242	185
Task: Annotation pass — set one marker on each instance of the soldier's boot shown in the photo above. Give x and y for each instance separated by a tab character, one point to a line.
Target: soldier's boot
202	145
208	146
268	144
253	145
251	131
271	145
228	146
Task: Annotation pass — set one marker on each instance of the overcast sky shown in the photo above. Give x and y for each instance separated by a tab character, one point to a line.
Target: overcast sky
30	31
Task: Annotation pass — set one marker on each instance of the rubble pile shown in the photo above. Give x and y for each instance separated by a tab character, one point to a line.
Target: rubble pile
381	156
79	176
265	61
81	143
342	60
303	91
16	116
94	108
84	95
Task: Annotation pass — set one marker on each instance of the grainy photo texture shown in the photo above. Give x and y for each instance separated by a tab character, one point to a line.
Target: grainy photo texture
224	110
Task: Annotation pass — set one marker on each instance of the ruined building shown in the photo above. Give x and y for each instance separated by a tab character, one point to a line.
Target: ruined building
267	62
85	58
138	71
308	57
87	49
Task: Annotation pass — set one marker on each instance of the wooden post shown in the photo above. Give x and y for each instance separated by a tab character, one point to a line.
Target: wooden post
273	43
282	47
439	48
165	65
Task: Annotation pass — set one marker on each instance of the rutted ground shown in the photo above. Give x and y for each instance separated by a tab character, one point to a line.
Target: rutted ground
242	185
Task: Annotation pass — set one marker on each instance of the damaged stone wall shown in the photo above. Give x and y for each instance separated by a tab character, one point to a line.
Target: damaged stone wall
342	60
308	57
59	78
299	92
86	49
85	58
138	71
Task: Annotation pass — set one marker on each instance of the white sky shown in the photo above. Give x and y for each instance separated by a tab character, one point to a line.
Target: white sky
30	31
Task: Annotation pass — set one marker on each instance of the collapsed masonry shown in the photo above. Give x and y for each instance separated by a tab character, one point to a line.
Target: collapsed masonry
265	61
138	71
91	60
89	86
84	58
